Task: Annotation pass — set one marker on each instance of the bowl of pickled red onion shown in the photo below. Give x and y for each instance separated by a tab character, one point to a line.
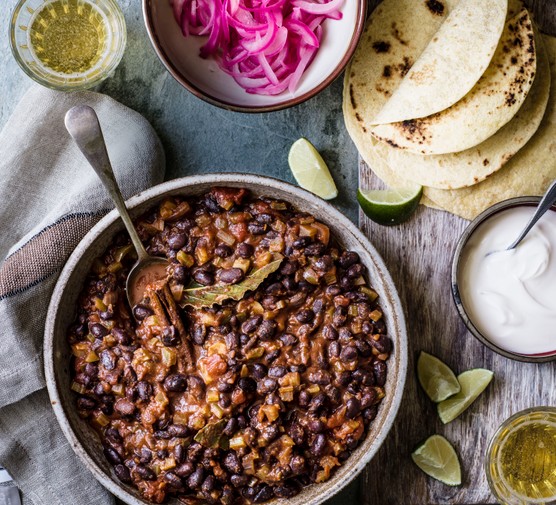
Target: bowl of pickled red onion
254	55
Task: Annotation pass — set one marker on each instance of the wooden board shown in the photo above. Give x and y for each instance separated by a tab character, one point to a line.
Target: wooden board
419	255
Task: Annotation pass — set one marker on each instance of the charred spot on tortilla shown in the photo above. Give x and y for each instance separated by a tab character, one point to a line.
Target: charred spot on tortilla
387	72
510	99
352	96
396	34
405	66
381	46
485	162
358	117
514	60
435	7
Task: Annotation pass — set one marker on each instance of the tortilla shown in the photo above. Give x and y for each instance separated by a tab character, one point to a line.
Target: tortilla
529	172
451	64
396	34
457	170
491	104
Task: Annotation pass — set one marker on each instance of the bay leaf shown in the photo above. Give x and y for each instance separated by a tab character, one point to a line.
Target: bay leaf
210	435
207	296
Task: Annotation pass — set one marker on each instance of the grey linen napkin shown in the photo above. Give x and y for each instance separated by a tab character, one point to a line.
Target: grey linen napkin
49	199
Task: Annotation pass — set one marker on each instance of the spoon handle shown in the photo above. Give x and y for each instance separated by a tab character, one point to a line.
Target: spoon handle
83	125
548	200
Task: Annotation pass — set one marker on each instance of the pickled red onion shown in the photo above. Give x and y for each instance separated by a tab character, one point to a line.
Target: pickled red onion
265	45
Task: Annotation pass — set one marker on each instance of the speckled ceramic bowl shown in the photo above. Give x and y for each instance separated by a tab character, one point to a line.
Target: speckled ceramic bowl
207	81
62	309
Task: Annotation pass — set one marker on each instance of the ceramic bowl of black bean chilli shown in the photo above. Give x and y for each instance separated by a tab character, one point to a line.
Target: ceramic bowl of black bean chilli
268	365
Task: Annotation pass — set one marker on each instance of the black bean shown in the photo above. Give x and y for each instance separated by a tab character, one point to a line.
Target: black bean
86	403
175	383
270	432
363	348
185	469
179	453
223	251
265	494
319	445
320	377
122	473
349	353
170	336
353	408
239	480
251	324
346	283
107	315
298	368
141	312
231	275
208	484
323	264
267	329
257	228
162	454
288	339
199	334
316	249
196	479
231	463
289	267
124	407
98	330
203	277
108	359
179	273
348	258
330	332
277	371
259	371
112	455
176	241
297	433
224	401
232	341
225	387
245	250
178	430
370	413
344	335
247	384
231	427
301	242
297	464
355	271
195	384
305	316
172	479
368	398
268	385
318	402
145	472
382	344
146	455
113	435
121	336
334	349
339	317
272	355
304	398
91	369
316	425
144	390
333	393
379	369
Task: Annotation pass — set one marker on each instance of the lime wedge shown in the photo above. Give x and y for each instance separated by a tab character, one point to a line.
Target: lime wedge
436	377
390	206
473	383
310	170
437	458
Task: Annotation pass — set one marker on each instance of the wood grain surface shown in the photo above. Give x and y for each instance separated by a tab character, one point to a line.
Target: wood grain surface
419	255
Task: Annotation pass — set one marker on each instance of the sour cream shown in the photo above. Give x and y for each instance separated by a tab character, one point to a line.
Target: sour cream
510	296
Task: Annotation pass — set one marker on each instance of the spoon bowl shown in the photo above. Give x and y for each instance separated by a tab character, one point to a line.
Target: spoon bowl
83	125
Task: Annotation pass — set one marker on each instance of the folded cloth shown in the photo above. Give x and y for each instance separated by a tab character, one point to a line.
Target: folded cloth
50	198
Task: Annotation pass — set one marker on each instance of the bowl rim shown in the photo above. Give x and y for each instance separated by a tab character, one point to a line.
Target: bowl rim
223	104
520	201
245	180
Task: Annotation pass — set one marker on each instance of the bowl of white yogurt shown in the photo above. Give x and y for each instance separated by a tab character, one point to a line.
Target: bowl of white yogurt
507	299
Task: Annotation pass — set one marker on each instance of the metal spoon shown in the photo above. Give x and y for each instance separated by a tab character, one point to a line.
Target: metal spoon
83	125
548	200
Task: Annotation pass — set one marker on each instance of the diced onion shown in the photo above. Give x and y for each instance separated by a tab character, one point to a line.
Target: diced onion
265	45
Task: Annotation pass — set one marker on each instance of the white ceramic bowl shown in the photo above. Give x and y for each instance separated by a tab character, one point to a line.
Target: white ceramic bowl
64	300
204	78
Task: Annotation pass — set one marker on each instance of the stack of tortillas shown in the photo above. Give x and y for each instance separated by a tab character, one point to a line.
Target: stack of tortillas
457	96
